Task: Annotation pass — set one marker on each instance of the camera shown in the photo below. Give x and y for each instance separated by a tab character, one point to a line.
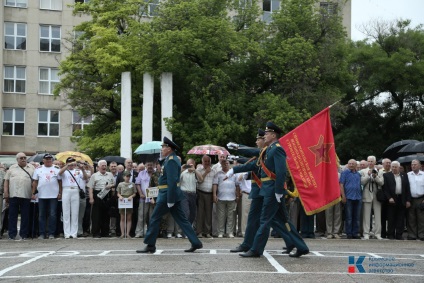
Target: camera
374	171
187	166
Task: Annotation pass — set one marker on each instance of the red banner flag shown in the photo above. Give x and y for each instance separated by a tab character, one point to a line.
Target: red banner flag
311	160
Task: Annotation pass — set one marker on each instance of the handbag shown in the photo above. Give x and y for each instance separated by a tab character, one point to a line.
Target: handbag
381	197
81	192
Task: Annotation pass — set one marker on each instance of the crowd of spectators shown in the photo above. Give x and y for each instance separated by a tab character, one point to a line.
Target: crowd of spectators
74	199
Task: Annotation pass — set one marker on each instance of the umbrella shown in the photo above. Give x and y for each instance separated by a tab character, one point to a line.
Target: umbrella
62	156
412	148
392	150
209	149
409	158
117	159
149	148
36	158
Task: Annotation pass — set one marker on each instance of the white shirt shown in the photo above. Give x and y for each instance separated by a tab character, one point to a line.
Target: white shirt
48	181
416	183
245	185
398	180
69	181
143	179
188	181
227	188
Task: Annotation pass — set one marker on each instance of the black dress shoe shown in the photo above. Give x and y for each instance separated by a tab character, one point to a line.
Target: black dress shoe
298	253
193	248
147	249
239	249
249	254
287	250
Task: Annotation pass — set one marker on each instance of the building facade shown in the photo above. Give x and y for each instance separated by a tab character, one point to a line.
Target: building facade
36	36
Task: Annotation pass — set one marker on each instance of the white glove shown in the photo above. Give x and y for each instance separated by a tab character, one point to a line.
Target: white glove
278	197
230	173
232	145
170	204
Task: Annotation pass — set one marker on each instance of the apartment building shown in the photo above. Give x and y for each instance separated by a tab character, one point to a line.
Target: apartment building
34	34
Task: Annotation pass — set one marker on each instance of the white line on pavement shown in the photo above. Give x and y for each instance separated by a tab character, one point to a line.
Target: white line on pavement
317	254
104	253
374	255
2	272
275	263
213	252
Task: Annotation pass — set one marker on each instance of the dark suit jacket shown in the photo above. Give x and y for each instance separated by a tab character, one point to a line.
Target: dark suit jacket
389	187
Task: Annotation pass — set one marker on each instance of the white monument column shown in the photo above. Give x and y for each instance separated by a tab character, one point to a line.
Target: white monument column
166	97
147	124
126	150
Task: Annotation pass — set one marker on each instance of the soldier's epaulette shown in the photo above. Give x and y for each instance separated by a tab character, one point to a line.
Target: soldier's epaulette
171	157
277	144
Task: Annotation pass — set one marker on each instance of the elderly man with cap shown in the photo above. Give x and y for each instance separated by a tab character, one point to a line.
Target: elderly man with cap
272	162
48	184
17	191
169	200
71	179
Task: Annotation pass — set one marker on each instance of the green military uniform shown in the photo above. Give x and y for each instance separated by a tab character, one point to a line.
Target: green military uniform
170	194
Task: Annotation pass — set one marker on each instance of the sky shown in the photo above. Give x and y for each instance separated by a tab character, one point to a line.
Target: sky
364	11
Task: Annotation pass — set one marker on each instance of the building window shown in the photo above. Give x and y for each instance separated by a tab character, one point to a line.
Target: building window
51	4
49	78
243	4
14	79
330	8
82	1
151	6
16	3
50	38
79	122
48	123
268	7
15	36
13	122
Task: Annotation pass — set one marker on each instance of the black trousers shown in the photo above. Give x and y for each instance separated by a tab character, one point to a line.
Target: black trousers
396	218
100	217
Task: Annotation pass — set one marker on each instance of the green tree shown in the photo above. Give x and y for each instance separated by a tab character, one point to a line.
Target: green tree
231	71
387	104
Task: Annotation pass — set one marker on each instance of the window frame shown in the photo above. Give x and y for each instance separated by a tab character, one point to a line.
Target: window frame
50	38
81	121
49	123
14	122
49	80
16	4
14	78
15	35
50	6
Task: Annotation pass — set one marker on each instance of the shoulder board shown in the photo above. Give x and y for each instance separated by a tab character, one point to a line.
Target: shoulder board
277	144
171	157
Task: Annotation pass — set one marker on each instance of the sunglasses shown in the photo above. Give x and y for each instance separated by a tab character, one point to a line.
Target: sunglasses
23	157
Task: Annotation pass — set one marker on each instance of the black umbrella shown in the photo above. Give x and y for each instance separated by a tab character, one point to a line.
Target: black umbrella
392	150
409	158
37	157
412	148
117	159
143	158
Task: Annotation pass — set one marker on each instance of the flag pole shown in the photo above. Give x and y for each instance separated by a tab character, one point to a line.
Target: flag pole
334	103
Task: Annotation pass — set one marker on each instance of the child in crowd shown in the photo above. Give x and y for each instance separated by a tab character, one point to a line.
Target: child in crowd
126	189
